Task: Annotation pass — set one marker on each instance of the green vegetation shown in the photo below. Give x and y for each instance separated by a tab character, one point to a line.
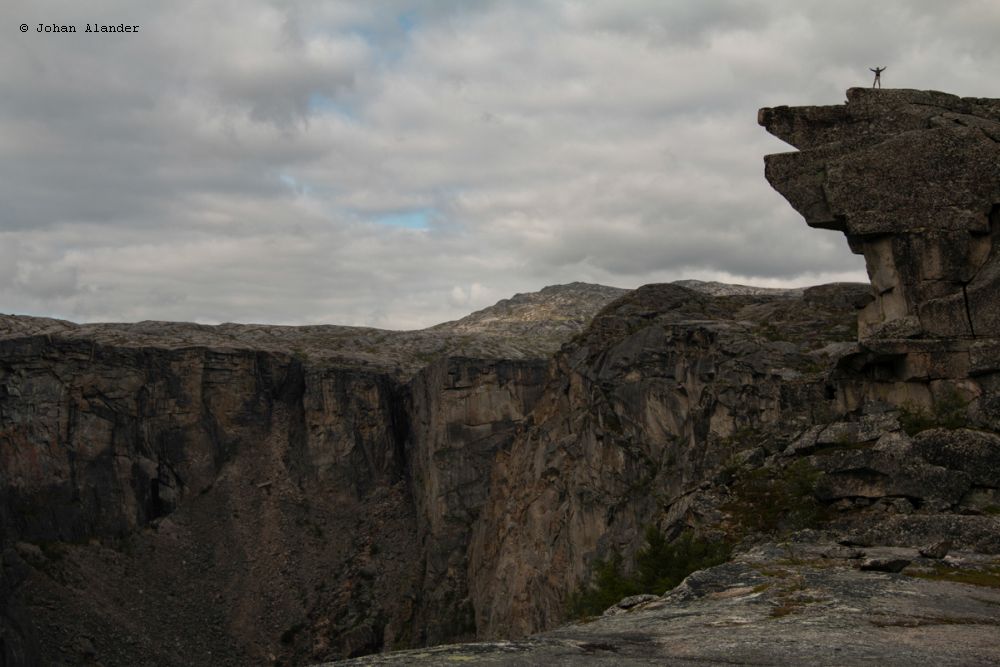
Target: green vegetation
773	500
659	566
949	411
989	577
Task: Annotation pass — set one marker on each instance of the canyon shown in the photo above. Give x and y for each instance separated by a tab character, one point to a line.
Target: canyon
176	493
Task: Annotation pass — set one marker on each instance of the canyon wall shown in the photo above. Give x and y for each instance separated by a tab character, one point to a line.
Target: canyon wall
193	505
665	389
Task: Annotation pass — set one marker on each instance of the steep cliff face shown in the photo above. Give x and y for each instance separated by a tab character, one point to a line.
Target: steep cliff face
167	504
100	441
160	505
464	413
664	389
911	178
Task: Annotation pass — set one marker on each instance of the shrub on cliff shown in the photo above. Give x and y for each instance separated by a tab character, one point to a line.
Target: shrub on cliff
659	566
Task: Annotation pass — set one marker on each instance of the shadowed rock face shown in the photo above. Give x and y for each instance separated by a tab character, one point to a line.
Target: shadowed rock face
640	411
177	505
912	178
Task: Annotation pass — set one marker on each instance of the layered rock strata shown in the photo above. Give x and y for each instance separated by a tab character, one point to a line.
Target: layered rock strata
912	178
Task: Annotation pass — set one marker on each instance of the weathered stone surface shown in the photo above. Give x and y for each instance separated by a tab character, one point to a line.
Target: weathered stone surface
884	564
464	413
215	500
913	179
772	606
976	453
977	533
630	602
888	469
937	550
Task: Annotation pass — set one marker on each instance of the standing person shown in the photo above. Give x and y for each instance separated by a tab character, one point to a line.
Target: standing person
878	76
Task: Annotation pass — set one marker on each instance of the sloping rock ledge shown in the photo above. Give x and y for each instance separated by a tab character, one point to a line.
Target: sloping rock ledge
777	604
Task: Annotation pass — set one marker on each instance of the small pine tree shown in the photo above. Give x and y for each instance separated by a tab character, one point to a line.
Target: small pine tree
659	566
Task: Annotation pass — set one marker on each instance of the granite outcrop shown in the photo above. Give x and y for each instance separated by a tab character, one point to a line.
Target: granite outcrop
910	177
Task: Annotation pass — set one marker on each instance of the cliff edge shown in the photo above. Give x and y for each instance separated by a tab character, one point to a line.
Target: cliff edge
911	178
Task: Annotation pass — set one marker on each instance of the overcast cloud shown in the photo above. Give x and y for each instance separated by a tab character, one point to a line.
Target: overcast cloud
398	164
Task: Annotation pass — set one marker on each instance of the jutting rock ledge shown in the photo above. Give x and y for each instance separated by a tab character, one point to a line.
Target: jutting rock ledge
912	179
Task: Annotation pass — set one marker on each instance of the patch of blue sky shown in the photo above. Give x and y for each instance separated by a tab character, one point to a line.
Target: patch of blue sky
389	41
407	21
293	183
323	103
414	219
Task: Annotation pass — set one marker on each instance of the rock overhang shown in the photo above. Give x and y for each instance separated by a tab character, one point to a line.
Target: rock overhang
912	178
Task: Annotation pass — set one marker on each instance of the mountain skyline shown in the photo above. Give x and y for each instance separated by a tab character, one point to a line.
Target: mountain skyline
401	164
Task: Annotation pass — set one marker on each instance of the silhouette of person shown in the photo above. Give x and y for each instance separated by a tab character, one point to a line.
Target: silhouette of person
878	76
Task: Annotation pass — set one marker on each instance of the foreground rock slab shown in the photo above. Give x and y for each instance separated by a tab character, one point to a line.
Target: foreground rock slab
776	605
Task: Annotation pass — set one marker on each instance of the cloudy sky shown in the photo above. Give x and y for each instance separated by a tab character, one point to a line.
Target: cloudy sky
399	163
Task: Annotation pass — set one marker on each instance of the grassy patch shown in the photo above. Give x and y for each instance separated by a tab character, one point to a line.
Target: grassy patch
989	577
793	596
659	566
792	601
774	500
949	411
